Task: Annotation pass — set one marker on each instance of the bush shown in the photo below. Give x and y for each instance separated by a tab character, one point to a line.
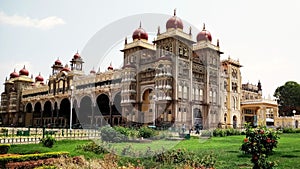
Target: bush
225	132
4	148
48	141
146	132
260	143
109	134
100	148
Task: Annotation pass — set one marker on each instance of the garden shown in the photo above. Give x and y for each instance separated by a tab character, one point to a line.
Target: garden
253	148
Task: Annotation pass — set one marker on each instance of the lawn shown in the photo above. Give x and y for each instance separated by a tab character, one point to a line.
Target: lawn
226	149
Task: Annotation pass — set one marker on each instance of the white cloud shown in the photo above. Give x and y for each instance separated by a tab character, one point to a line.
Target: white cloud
44	24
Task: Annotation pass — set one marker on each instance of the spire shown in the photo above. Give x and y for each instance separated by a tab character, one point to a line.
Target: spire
175	12
125	40
218	43
140	24
259	86
98	70
158	30
203	26
190	33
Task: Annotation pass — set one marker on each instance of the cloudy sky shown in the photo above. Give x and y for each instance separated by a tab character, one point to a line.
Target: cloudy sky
263	35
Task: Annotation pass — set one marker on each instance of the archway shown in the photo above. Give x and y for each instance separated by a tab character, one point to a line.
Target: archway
28	115
117	109
103	111
198	120
64	113
47	114
37	114
75	115
234	122
296	123
85	112
147	114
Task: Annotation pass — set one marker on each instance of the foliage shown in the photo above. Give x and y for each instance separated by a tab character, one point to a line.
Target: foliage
290	130
4	148
147	132
48	141
288	97
259	142
225	132
97	148
28	157
109	134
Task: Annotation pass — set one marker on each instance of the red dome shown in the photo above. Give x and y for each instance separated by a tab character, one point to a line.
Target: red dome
174	22
14	74
24	71
140	33
76	56
39	78
204	35
92	71
57	62
110	67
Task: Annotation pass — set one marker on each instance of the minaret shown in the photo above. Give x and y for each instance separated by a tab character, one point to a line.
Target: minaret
76	62
56	67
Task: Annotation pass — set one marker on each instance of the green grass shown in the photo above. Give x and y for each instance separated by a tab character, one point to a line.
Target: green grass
226	149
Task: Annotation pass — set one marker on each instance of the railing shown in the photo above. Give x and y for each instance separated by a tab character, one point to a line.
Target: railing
13	135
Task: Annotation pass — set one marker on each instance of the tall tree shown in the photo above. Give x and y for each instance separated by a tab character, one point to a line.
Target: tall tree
288	98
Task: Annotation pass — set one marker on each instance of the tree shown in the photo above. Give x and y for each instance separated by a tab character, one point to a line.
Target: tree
288	98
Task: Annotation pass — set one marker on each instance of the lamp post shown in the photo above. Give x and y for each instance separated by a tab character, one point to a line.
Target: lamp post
294	112
154	111
71	106
110	107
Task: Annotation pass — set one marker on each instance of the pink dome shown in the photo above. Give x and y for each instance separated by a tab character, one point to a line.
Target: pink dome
140	33
174	22
204	35
39	78
76	56
57	62
24	71
14	74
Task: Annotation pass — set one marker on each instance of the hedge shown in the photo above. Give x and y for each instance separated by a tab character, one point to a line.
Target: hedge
28	157
4	148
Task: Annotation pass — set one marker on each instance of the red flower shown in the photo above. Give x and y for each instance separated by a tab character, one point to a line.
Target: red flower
246	140
268	140
262	131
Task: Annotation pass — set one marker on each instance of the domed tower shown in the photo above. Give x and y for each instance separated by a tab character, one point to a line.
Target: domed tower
76	62
24	72
174	22
39	78
56	67
204	35
14	74
140	34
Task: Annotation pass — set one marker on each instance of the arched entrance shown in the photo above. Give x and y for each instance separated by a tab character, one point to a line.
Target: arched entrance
198	120
296	123
75	113
64	113
37	115
117	109
147	113
47	114
28	115
86	112
234	119
103	111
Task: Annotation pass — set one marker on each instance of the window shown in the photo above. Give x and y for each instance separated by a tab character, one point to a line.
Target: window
185	92
201	95
210	96
179	91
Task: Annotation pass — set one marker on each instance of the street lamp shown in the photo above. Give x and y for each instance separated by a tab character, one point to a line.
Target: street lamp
294	112
154	111
71	106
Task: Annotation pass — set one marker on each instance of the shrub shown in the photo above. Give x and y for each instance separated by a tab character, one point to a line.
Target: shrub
100	148
4	148
48	141
260	143
109	134
146	132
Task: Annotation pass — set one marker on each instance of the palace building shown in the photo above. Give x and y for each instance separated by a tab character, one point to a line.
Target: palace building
170	81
